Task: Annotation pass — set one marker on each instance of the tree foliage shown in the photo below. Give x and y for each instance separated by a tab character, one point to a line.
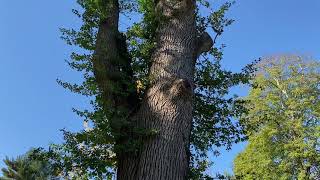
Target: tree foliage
95	149
283	121
25	167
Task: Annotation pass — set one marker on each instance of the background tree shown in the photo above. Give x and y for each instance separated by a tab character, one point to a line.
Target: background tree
157	107
26	168
283	121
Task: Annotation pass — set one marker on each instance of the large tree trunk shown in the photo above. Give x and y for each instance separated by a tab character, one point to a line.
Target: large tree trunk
168	103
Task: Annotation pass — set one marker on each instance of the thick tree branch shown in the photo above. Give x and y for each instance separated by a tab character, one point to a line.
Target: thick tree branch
114	76
111	62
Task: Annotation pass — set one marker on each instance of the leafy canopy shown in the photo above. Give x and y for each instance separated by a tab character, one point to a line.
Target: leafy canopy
283	122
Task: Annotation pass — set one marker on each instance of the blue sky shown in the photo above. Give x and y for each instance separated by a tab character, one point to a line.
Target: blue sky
33	107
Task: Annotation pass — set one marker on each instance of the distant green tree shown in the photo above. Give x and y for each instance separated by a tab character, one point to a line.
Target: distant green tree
283	122
26	168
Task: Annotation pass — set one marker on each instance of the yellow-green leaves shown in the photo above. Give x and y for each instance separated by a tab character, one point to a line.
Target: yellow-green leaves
283	121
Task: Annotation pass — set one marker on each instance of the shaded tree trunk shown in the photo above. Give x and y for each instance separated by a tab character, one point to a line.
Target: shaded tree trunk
112	65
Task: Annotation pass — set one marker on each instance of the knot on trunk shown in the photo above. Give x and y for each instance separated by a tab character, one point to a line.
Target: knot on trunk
181	87
204	43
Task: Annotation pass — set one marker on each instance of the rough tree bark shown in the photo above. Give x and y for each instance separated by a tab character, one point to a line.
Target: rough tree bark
168	103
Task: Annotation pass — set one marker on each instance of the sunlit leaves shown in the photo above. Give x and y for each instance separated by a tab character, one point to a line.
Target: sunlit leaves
283	121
